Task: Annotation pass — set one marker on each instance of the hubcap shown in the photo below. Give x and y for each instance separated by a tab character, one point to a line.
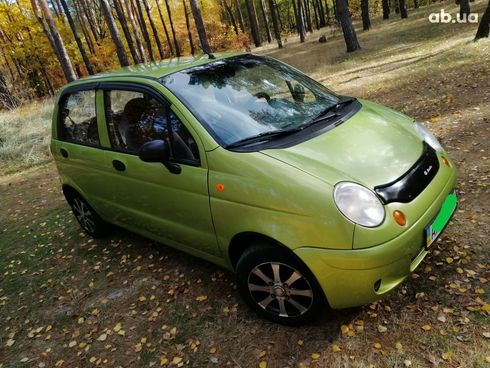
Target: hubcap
280	289
83	215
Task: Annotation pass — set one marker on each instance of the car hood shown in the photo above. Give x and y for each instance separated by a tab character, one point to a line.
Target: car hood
375	146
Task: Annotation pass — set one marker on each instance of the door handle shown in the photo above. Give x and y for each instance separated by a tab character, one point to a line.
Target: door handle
64	152
118	165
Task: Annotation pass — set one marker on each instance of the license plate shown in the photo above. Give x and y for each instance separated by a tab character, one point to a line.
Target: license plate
434	229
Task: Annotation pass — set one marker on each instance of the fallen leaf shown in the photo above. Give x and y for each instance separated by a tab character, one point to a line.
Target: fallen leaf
315	356
201	298
426	328
377	345
336	348
382	328
263	364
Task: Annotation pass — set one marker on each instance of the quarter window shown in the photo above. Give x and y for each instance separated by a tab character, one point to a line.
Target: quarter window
135	118
78	118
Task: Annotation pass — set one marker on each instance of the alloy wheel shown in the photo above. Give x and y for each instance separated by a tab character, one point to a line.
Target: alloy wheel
83	215
280	289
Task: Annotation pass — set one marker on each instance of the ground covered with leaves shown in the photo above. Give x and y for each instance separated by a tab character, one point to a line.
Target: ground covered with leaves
70	301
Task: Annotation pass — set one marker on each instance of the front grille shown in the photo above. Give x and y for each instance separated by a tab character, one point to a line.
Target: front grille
414	181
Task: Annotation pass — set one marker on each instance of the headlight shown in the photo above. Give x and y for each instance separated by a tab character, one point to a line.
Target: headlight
359	204
428	137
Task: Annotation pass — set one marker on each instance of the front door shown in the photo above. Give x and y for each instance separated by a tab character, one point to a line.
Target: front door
147	197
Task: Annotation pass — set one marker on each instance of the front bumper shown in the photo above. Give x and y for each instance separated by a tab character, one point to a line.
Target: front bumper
356	277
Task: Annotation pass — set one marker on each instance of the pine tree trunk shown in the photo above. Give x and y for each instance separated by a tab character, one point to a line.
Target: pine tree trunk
86	34
81	48
59	46
178	52
464	9
307	15
275	23
327	12
348	30
231	17
155	31
90	20
403	9
188	25
300	21
144	29
386	9
240	15
160	13
201	30
136	32
125	28
484	27
254	23
415	4
335	12
116	37
316	13
266	21
366	22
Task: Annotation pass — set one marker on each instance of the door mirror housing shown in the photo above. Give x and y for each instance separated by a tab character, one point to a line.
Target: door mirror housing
158	151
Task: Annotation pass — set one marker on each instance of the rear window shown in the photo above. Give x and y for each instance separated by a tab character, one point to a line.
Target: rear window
79	119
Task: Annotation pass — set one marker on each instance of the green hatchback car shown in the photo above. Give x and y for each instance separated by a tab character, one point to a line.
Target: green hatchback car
313	199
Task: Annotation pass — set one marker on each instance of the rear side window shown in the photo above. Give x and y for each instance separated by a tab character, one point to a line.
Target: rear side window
79	119
135	118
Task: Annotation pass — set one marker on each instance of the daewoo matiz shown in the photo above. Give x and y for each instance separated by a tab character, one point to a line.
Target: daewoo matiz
313	199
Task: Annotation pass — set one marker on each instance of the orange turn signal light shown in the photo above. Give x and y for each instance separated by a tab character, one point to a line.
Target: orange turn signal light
399	217
220	187
446	161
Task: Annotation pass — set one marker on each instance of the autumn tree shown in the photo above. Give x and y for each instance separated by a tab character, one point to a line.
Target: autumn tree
348	30
254	23
201	30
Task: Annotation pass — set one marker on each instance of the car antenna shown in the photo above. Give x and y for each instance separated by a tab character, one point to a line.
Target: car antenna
211	56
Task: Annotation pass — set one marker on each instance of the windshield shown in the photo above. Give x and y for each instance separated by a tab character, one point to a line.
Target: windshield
244	96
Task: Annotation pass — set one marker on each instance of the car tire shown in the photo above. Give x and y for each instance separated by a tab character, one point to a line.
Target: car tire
278	286
86	217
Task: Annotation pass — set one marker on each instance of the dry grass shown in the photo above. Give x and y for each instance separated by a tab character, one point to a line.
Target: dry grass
72	290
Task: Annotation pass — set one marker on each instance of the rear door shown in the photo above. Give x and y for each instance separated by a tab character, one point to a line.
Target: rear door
147	197
77	145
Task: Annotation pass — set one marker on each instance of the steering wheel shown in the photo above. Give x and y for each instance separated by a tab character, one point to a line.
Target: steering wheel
263	95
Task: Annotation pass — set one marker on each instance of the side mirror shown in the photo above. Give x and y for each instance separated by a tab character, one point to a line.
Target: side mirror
158	151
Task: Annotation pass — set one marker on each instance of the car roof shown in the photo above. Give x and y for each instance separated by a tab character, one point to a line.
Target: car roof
158	69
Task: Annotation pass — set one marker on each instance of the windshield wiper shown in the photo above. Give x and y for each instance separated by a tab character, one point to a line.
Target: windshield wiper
324	115
265	136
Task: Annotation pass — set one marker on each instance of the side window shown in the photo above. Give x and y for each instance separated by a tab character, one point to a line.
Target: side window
78	118
135	118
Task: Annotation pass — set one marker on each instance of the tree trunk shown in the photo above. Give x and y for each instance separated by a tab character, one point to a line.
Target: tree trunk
335	12
275	23
464	9
144	29
90	20
154	30
137	35
366	22
201	30
386	9
300	22
327	12
81	48
350	35
240	15
416	4
176	43
484	27
231	16
160	13
116	37
316	13
254	23
403	9
266	21
307	15
86	34
59	46
7	99
188	25
125	28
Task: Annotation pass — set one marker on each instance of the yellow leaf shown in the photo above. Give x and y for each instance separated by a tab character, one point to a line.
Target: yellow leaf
213	350
201	298
163	360
59	363
263	364
117	327
102	337
487	359
142	298
344	329
72	344
426	328
382	328
449	260
399	346
81	320
315	356
485	307
262	354
92	359
10	342
138	347
176	360
447	355
48	328
300	342
335	348
377	345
